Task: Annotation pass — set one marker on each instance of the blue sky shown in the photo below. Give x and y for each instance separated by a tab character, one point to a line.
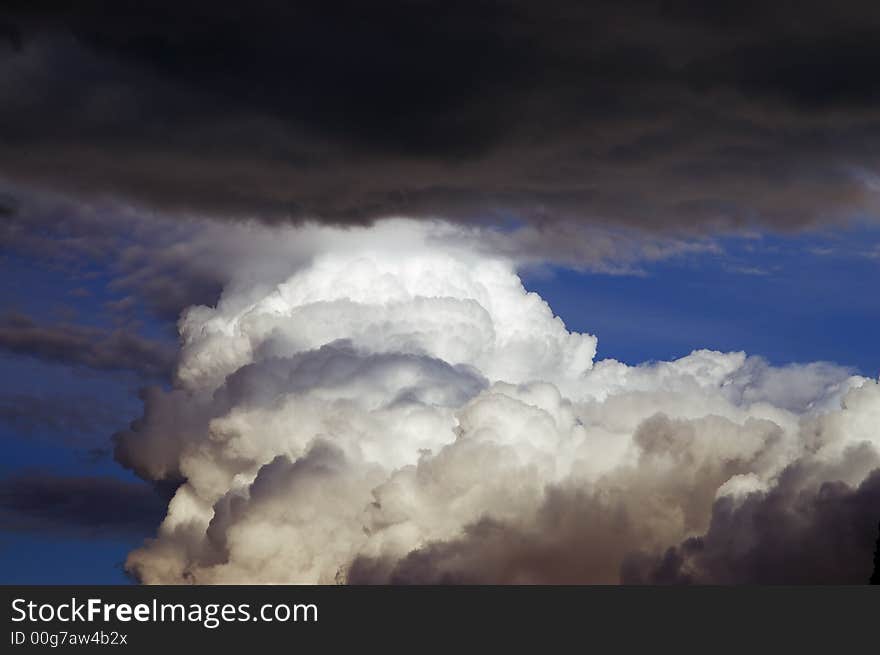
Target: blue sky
52	294
790	298
798	298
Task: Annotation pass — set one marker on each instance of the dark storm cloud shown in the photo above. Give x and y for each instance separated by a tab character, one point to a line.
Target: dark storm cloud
78	506
81	345
653	114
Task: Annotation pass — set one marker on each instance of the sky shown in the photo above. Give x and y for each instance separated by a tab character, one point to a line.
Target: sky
796	298
253	259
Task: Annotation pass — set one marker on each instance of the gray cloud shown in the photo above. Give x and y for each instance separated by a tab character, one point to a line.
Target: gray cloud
650	115
80	345
78	506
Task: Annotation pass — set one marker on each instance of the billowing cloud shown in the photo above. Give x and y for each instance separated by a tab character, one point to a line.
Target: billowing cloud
398	408
653	115
809	528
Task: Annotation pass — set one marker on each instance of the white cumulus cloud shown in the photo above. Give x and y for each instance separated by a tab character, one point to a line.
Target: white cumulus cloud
398	408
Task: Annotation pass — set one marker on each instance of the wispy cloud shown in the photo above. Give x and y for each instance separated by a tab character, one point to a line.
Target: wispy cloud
80	345
86	506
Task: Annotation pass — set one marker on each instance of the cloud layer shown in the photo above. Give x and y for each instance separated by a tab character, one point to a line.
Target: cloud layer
85	507
639	113
400	409
114	350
